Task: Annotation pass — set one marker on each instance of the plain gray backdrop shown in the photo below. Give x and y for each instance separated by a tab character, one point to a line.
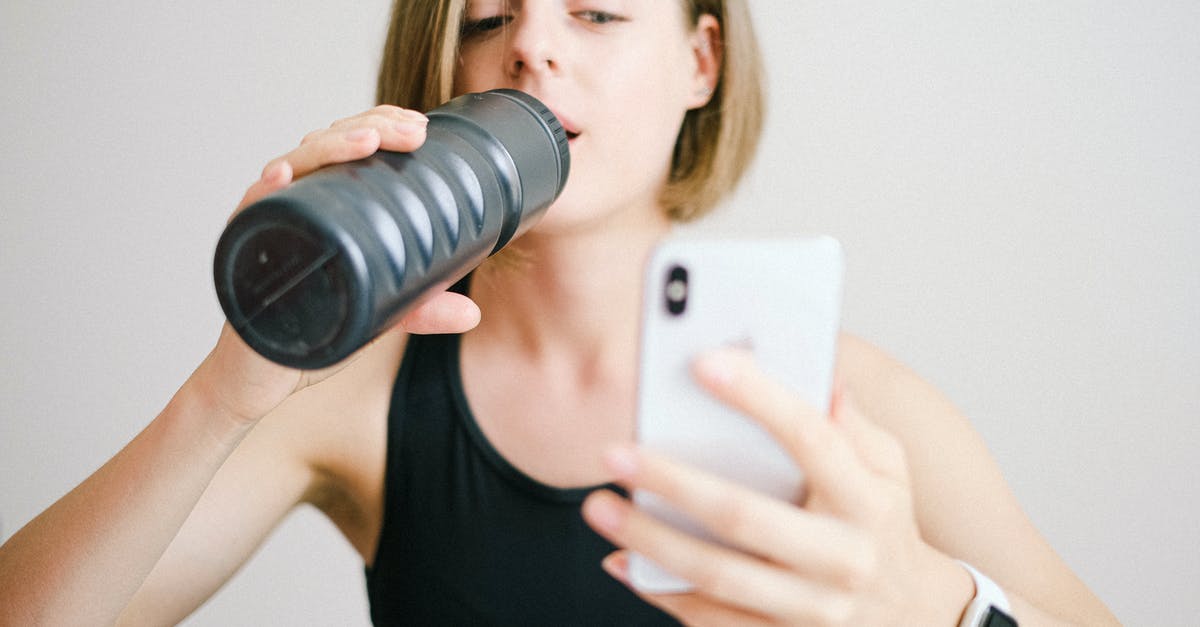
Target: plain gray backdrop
1017	185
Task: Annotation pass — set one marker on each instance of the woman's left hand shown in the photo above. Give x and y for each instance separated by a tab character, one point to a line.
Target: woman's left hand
849	554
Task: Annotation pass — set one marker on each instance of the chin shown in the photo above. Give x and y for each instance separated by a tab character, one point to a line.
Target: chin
574	218
566	218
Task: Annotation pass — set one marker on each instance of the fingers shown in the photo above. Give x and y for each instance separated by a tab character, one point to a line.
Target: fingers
693	609
447	312
385	127
821	548
379	117
776	561
830	464
327	147
274	178
724	575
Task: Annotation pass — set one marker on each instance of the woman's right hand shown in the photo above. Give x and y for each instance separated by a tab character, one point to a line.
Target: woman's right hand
248	386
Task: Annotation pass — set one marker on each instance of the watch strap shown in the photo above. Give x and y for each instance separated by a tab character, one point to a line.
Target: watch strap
989	607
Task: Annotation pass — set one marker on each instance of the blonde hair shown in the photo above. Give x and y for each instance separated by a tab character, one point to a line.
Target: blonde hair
716	142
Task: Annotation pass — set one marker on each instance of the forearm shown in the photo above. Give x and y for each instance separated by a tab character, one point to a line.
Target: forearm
1030	615
81	560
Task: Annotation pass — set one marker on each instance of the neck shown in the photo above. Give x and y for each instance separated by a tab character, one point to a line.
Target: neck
568	298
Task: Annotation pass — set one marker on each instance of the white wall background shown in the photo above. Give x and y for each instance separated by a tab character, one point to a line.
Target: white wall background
1017	185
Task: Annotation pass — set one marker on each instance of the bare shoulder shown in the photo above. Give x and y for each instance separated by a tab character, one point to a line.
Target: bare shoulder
888	391
938	439
953	475
864	366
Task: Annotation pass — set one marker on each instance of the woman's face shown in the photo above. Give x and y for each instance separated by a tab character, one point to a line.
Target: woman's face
620	75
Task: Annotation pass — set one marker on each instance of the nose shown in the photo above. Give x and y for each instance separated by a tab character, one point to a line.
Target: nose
534	45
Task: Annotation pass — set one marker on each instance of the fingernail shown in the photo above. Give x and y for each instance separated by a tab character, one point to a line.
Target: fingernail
714	369
359	134
603	514
272	172
622	460
615	566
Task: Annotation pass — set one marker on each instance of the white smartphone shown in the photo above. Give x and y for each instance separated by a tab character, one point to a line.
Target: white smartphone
779	298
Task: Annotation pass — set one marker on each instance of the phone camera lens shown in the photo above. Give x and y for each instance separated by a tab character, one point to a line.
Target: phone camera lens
676	291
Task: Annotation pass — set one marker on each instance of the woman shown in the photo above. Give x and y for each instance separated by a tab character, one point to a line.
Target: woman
461	491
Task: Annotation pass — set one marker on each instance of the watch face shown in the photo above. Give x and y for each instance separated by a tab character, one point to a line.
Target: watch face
996	618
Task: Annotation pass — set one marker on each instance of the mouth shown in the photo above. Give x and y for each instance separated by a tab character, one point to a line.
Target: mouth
569	126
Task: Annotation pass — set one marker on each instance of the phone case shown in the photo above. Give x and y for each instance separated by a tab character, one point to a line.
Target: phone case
779	298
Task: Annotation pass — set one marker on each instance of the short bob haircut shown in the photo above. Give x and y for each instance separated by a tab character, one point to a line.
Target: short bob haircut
716	142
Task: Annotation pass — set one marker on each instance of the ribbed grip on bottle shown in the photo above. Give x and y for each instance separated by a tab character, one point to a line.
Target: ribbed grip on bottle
312	272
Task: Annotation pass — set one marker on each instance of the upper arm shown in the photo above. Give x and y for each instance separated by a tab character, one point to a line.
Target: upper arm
963	504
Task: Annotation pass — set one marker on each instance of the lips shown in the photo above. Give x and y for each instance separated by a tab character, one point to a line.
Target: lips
569	126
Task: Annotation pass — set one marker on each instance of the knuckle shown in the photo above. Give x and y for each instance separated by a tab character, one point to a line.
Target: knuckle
268	166
311	137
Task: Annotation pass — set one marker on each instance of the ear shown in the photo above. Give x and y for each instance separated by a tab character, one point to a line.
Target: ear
708	52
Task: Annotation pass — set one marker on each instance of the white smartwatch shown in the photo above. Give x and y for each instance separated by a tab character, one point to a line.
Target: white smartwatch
990	607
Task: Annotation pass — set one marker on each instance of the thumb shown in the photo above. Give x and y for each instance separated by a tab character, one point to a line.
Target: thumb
447	312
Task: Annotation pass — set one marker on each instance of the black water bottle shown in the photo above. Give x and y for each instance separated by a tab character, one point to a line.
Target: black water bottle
313	272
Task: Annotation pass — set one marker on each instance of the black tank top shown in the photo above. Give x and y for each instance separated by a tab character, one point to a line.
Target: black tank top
467	538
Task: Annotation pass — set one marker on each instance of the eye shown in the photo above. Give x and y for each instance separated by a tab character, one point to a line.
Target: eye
472	28
600	17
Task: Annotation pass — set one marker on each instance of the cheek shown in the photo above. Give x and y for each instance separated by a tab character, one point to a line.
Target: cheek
477	70
656	92
652	114
631	162
641	116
